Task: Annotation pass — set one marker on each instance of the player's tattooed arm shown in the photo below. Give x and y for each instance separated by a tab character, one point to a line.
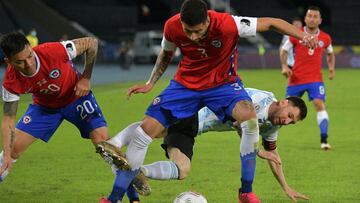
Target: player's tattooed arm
8	131
89	47
162	62
12	136
10	108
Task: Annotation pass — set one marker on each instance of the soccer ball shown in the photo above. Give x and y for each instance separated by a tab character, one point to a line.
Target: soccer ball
190	197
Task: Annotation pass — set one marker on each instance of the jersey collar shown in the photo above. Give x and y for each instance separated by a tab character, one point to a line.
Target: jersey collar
317	33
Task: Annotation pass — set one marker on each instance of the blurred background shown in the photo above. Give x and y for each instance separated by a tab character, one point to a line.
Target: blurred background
130	31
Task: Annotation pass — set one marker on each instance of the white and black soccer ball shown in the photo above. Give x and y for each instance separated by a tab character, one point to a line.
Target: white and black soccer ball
190	197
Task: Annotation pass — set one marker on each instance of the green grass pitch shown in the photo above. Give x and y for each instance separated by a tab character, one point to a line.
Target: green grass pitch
68	170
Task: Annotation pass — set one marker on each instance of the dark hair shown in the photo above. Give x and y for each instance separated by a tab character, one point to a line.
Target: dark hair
314	8
193	12
299	103
13	43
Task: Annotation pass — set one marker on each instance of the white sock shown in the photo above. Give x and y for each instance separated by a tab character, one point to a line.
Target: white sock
250	137
124	137
322	115
161	170
137	148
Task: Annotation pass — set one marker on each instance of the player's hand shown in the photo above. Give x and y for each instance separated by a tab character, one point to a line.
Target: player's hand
286	71
6	164
331	74
268	156
139	89
310	41
82	87
294	195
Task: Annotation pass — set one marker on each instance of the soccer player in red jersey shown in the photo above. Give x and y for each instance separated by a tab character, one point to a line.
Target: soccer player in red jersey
306	75
58	91
206	76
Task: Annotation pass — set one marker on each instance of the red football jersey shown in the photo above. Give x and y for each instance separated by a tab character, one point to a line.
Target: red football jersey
307	67
213	61
53	83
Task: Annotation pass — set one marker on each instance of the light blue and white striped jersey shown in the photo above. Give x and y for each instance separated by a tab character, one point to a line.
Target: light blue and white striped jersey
290	59
261	100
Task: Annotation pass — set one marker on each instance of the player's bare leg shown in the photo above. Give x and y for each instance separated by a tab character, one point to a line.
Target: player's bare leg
244	113
181	161
99	134
22	141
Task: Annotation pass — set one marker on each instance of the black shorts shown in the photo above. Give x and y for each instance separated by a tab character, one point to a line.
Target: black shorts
181	135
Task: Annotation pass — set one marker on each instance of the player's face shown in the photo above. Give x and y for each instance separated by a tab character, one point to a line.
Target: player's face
312	19
24	61
297	23
285	114
197	32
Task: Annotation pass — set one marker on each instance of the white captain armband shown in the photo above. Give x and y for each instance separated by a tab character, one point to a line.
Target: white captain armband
246	26
8	96
329	49
70	48
167	45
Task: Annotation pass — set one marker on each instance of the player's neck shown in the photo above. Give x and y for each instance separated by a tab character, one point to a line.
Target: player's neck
313	31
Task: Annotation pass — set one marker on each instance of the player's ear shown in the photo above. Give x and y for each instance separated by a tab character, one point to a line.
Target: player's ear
283	102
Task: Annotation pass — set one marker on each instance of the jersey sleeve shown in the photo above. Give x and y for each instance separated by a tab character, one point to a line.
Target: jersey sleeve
246	26
269	140
8	96
12	84
70	49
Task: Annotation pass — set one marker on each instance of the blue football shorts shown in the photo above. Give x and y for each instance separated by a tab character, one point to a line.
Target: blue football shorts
177	101
315	90
42	122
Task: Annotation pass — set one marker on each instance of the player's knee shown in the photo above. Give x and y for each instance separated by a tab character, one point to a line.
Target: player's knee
152	127
243	111
99	135
250	126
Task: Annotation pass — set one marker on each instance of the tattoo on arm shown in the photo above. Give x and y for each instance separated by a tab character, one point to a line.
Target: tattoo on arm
10	108
89	46
162	62
12	136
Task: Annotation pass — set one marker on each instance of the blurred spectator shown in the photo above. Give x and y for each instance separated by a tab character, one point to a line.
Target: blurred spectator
2	56
220	5
126	55
64	37
32	38
290	59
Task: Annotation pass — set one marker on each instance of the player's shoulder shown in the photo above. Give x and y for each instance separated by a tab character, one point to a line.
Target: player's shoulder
50	49
219	19
173	21
10	72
